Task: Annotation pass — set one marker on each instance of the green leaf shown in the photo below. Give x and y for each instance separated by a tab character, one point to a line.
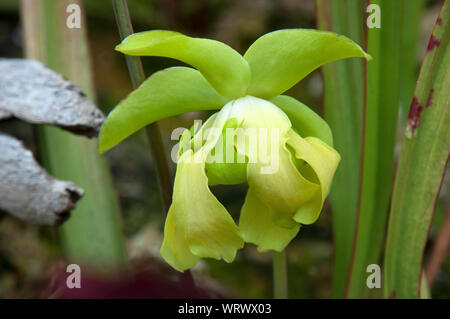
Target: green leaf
305	121
166	93
423	159
343	105
280	59
380	128
93	235
258	227
410	64
222	66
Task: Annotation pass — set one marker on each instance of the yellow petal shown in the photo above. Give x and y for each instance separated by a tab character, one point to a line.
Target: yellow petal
199	220
284	190
174	249
324	160
258	227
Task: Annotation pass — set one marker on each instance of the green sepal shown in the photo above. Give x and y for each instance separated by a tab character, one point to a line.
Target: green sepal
280	59
166	93
304	120
222	66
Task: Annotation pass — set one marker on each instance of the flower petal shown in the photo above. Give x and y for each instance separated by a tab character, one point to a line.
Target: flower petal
246	115
195	138
175	249
271	173
280	59
257	226
324	160
303	119
166	93
197	224
254	112
283	190
223	67
209	230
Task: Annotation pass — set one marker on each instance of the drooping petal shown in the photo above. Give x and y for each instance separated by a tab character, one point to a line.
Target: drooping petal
175	249
303	119
271	174
323	160
257	226
208	229
198	225
223	67
166	93
284	189
280	59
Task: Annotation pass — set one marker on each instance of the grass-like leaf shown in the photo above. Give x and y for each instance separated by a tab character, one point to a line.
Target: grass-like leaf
410	63
93	234
423	158
360	195
343	104
385	44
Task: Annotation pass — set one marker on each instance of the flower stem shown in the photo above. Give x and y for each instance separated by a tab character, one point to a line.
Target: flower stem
137	76
279	275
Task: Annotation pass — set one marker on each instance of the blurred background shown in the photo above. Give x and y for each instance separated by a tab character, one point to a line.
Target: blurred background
28	253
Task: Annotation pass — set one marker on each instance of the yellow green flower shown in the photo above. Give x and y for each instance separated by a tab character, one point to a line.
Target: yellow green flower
273	142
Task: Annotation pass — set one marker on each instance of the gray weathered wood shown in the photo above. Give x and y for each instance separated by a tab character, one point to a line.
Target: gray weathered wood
27	191
4	115
31	92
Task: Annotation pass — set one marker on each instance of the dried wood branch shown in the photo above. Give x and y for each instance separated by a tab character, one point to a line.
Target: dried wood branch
28	192
4	115
31	92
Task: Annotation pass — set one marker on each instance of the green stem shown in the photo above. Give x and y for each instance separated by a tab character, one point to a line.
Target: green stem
137	76
279	275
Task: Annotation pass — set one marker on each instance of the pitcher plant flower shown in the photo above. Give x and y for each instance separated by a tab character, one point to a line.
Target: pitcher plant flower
286	190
